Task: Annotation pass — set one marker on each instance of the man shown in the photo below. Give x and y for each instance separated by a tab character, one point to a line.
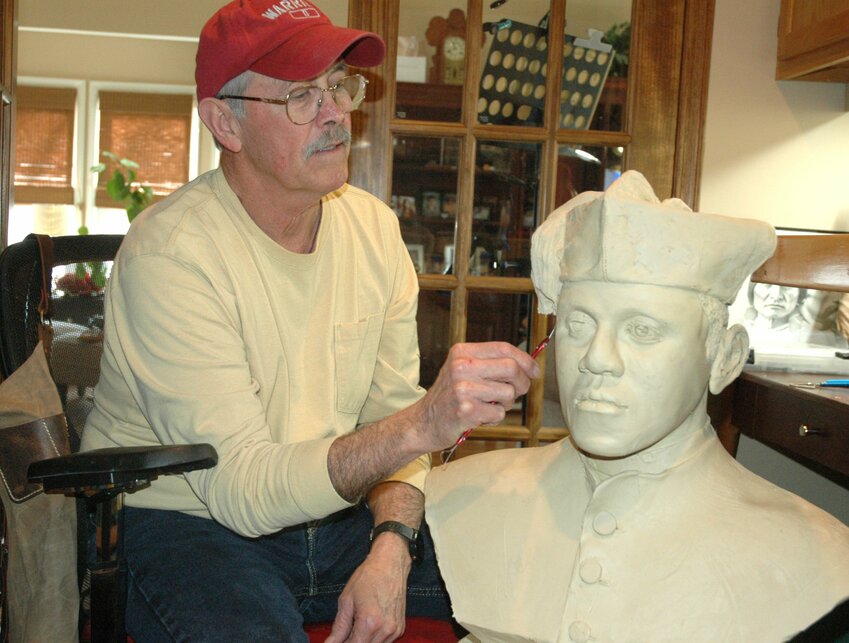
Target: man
269	309
640	527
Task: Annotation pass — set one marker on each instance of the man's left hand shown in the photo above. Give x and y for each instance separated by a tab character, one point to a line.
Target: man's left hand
372	605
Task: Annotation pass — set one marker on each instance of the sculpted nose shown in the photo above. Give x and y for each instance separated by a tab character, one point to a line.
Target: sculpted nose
602	356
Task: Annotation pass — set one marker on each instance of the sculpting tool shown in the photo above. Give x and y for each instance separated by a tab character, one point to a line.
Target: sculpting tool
446	455
838	383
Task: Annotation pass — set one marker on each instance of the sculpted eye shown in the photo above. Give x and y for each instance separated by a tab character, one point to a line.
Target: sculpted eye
579	325
644	331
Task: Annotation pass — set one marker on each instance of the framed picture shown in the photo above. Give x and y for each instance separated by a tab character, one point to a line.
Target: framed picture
431	204
416	251
480	213
449	205
406	207
791	328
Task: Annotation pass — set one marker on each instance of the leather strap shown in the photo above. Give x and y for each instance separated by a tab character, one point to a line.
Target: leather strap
26	443
45	311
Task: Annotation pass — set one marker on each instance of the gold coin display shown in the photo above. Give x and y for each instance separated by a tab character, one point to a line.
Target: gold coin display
513	82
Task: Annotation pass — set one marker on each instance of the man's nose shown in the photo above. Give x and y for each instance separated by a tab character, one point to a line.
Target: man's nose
602	356
328	110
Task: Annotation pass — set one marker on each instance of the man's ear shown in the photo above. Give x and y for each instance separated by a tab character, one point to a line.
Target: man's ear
220	120
730	358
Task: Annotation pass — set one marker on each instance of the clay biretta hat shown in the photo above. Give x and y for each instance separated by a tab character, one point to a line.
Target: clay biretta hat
627	235
288	39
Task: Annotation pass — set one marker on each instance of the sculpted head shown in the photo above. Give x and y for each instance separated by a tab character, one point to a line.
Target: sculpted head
640	289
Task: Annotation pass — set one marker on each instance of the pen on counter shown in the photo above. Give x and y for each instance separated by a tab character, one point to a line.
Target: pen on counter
446	455
837	383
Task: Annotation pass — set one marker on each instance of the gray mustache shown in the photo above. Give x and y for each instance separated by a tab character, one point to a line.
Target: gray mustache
339	134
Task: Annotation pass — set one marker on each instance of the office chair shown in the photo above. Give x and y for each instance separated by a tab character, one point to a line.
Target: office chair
28	305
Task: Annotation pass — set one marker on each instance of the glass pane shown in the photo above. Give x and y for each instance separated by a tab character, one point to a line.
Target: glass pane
512	78
595	64
433	320
431	64
505	208
586	167
424	196
501	317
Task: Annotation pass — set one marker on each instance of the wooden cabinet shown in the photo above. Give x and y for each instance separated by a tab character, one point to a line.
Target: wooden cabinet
7	93
813	40
505	177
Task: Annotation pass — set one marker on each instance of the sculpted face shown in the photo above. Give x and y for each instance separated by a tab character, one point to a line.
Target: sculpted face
631	363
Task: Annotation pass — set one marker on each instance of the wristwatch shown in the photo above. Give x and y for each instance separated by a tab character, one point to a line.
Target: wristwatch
412	536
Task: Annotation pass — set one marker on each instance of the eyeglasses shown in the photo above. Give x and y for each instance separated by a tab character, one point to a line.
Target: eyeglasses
303	103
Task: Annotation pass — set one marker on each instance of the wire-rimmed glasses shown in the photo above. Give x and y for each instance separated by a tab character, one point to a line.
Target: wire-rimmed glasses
303	103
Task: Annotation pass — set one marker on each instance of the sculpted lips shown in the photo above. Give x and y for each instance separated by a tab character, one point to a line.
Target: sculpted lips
598	402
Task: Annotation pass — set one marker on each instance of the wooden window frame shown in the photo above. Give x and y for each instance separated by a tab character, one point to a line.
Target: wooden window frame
662	136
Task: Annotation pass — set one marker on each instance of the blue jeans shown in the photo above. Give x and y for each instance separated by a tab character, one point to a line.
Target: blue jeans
191	579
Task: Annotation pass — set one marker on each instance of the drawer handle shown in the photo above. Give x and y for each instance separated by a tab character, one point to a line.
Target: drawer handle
804	430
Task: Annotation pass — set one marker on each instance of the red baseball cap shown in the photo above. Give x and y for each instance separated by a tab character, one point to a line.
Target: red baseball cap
287	39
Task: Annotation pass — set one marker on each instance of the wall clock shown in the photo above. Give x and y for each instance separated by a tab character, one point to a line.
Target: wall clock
448	35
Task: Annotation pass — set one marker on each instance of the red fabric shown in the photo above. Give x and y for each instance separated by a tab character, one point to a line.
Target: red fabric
419	630
286	40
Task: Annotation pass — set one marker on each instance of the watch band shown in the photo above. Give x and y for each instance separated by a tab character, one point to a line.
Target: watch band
412	536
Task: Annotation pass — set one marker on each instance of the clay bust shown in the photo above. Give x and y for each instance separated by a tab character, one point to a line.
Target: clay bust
640	527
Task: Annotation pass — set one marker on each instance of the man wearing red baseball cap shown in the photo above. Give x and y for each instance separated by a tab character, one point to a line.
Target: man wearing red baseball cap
269	308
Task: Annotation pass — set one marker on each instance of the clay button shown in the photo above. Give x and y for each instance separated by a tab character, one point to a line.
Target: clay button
590	570
604	523
579	632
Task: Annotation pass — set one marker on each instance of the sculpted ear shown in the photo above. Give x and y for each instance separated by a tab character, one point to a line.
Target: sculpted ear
730	358
220	120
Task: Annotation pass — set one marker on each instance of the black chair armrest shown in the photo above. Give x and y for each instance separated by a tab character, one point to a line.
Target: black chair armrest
102	468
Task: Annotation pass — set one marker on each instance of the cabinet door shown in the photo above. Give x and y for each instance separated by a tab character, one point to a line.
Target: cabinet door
813	40
474	151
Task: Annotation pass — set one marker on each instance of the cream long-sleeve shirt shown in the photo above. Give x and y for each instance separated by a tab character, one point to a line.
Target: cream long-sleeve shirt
214	333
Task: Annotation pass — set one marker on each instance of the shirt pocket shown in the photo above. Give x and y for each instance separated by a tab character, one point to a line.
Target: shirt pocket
356	345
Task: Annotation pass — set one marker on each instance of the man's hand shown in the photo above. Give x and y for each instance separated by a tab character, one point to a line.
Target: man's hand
476	386
371	607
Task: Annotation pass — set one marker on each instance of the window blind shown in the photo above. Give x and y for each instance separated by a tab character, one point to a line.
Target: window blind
44	144
154	130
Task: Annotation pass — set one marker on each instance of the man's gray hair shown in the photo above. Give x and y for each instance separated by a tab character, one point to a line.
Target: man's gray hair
237	87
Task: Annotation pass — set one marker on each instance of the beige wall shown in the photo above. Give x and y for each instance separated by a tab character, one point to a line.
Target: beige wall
775	151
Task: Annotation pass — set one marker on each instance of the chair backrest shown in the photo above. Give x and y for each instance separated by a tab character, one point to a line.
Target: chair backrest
78	265
819	261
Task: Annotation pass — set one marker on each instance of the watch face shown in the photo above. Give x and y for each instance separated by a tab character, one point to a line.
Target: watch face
454	48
